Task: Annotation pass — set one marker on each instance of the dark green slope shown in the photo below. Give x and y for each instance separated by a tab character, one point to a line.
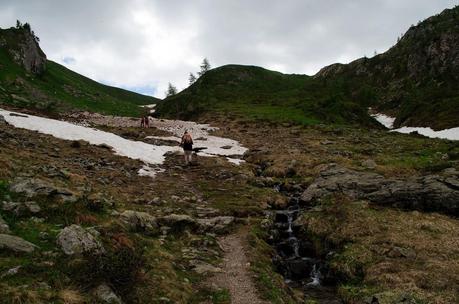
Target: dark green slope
417	80
28	79
255	92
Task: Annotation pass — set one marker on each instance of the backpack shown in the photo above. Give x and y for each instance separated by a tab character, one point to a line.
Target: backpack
187	139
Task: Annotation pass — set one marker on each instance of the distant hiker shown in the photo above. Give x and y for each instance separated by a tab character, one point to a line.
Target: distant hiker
142	122
147	122
187	145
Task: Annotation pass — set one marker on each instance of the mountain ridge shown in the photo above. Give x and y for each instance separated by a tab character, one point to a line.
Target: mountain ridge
415	81
29	80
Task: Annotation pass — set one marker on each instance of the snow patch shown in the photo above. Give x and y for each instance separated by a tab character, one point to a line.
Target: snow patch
235	161
388	122
147	153
451	134
385	120
150	154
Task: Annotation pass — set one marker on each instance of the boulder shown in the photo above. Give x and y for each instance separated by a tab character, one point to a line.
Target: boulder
217	224
33	187
428	193
105	294
139	221
3	120
4	228
16	244
75	239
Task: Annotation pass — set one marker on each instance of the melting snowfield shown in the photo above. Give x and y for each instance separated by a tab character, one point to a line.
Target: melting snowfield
151	155
388	122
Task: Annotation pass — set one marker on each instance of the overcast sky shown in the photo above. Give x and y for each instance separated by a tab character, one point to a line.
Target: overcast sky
142	45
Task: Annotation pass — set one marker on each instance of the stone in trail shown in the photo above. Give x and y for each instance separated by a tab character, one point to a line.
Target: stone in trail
235	275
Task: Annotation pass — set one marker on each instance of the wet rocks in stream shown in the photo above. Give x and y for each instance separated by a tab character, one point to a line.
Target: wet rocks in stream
296	258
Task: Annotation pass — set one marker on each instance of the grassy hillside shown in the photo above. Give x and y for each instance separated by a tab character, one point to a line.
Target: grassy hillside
416	81
257	93
58	88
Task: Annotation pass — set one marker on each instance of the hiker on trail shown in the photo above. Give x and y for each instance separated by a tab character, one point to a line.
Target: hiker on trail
147	121
187	145
142	122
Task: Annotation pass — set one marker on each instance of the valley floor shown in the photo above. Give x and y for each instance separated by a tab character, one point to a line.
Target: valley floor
165	239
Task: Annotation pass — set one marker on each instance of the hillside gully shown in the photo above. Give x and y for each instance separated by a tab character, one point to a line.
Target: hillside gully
296	258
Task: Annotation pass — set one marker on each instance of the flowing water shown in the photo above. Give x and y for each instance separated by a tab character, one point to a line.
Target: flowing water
296	259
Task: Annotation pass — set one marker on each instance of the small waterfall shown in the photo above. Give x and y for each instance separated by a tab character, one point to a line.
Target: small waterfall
315	276
296	259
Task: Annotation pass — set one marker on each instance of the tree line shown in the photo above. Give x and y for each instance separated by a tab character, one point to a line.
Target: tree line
204	67
26	26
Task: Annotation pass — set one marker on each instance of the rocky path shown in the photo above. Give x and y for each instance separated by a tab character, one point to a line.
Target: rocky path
235	275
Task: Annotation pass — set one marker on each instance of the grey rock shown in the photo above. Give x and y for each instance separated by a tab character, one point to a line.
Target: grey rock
216	224
16	244
33	207
139	221
178	221
21	208
4	228
369	164
427	193
75	239
105	294
32	187
3	120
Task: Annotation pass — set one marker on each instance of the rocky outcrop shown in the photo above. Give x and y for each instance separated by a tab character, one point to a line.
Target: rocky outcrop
34	187
415	79
428	193
16	244
105	294
75	239
22	45
139	221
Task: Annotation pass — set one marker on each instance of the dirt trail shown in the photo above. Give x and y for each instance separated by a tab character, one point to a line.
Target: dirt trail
236	273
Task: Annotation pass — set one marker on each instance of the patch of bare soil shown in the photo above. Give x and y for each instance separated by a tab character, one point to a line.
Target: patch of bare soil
236	276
